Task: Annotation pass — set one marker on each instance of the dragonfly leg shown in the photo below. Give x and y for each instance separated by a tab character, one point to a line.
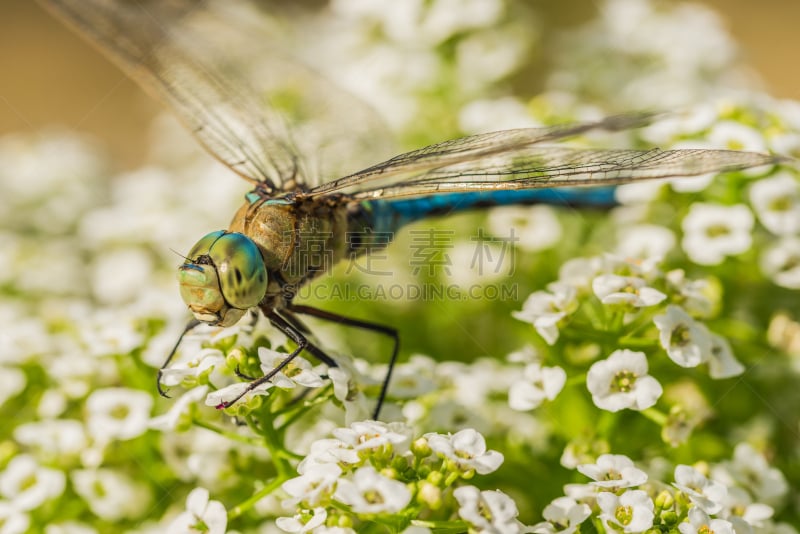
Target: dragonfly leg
191	325
294	334
366	325
313	349
253	321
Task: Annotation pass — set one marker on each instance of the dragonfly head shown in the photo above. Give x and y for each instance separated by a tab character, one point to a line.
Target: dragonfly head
223	277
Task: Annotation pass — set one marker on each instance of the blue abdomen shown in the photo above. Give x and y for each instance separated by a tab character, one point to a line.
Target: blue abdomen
390	215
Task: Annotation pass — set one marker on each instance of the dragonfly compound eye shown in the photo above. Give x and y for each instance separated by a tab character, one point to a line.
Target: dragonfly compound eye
223	276
241	270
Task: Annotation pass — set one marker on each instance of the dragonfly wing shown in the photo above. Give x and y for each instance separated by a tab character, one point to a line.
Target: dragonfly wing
220	68
561	166
469	149
522	159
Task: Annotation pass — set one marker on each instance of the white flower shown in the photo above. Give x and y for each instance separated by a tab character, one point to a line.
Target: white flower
731	135
52	404
222	396
708	495
630	512
579	272
202	455
739	506
645	268
488	115
613	471
303	522
414	378
118	275
346	389
538	383
625	290
489	511
563	515
637	192
621	381
12	382
750	469
688	343
784	143
721	361
117	413
111	495
59	438
69	527
367	435
446	18
535	227
21	338
181	407
645	241
201	515
713	231
27	485
700	523
678	125
776	201
296	372
207	358
486	56
545	309
580	492
12	519
107	332
781	262
316	483
467	449
369	492
327	451
691	184
694	294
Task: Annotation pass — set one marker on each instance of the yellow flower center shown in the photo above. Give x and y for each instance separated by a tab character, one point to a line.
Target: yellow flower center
623	514
623	381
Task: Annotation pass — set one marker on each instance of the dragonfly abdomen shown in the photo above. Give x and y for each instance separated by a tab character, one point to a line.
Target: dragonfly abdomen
390	215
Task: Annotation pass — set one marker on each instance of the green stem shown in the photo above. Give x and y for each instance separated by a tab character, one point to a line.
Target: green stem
576	380
617	321
302	410
656	416
277	450
257	496
442	526
280	458
226	433
638	343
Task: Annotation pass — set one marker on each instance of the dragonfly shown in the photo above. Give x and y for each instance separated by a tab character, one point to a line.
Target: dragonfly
239	114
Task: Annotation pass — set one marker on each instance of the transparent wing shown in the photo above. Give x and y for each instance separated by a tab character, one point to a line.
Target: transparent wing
219	67
554	166
521	159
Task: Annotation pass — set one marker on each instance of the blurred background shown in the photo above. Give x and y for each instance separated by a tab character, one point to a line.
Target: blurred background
49	75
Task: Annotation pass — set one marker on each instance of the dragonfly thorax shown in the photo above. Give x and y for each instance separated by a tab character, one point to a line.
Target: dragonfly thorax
223	277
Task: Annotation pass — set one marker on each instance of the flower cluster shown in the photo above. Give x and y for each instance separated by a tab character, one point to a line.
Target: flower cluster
373	472
633	303
624	498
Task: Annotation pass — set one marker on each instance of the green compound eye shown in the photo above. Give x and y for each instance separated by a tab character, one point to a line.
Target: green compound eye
240	268
203	246
223	276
